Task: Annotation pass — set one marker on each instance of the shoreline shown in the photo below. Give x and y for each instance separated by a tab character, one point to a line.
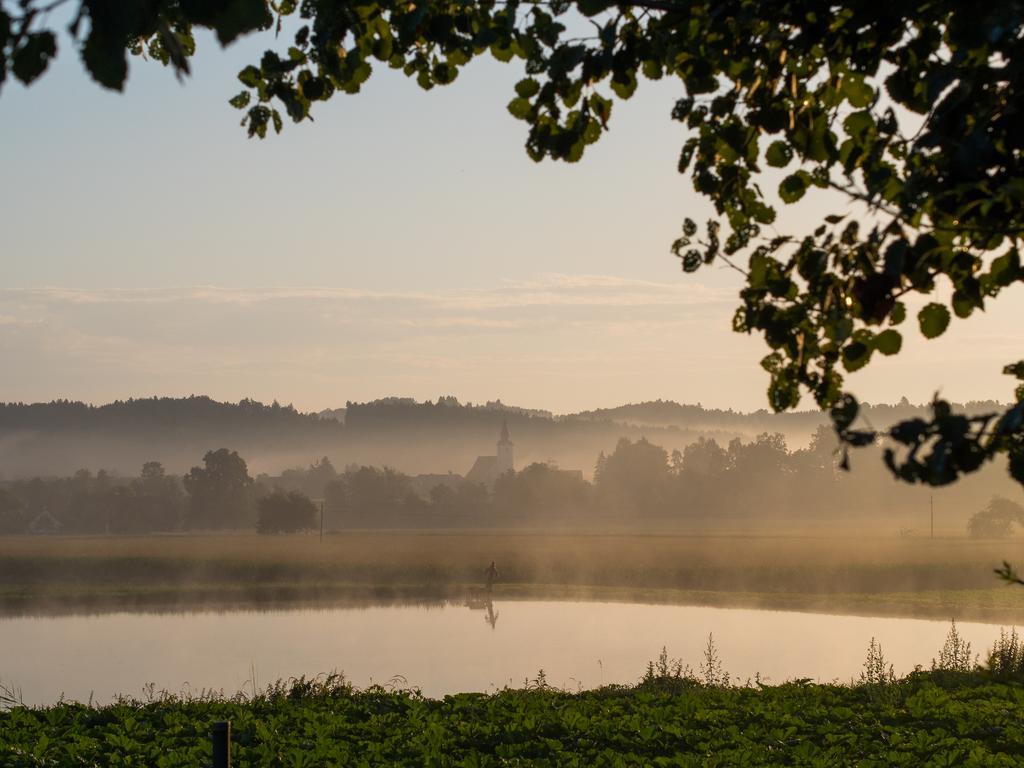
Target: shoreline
978	606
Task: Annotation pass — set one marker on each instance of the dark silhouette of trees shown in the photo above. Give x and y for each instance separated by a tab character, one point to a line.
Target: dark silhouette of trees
541	492
159	502
311	481
13	519
638	484
220	492
635	477
467	500
286	512
368	497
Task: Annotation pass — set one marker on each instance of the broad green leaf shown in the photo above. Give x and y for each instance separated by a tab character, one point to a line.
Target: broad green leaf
934	319
779	154
520	108
888	342
856	355
792	188
856	91
33	56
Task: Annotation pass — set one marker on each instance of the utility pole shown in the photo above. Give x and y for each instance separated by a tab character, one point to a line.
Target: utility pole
931	505
321	522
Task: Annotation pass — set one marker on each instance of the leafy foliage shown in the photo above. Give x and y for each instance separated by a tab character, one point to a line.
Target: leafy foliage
107	32
908	109
313	723
1006	657
877	670
220	491
955	655
285	512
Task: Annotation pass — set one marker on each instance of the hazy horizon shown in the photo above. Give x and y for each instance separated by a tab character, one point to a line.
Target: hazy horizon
175	256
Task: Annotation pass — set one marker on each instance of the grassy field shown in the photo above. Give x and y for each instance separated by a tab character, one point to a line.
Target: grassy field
944	577
924	720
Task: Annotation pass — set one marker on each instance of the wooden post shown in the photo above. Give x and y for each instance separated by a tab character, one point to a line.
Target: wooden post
221	736
321	522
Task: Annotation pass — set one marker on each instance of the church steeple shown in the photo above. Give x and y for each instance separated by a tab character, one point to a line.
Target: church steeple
505	462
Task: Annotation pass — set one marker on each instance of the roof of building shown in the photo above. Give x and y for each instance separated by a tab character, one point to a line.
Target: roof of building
484	470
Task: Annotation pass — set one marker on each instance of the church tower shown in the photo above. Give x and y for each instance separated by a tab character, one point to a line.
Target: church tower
505	462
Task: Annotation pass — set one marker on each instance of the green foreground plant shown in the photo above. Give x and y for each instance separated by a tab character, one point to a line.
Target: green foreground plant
673	716
308	723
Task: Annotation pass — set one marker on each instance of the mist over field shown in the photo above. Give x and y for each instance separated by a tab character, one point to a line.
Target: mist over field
698	467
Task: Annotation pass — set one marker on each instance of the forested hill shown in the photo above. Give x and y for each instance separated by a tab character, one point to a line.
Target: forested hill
163	413
665	413
60	437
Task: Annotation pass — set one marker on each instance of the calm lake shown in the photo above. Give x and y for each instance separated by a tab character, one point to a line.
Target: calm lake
443	649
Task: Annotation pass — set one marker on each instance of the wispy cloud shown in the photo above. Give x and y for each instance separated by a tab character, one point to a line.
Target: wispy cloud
551	289
561	341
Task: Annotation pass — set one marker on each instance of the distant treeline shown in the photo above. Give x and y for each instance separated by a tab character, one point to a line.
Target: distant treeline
438	436
146	414
638	483
669	413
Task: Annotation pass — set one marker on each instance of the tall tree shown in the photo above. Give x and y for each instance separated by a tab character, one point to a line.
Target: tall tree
220	492
158	499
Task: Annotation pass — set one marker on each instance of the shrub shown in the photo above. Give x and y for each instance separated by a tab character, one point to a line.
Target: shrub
711	670
1006	657
281	512
877	671
955	655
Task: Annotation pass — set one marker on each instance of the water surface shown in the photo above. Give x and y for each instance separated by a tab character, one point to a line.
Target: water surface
443	649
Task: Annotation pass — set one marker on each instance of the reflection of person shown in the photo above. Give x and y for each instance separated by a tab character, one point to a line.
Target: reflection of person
490	575
492	615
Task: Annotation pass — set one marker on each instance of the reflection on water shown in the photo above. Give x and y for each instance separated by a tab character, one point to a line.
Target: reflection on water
443	648
480	600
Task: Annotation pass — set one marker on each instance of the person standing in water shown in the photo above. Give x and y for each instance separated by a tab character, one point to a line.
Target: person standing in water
489	576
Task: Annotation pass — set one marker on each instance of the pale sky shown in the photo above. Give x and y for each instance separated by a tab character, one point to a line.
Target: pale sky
403	244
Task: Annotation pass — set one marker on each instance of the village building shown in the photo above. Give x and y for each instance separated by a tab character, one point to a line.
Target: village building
487	469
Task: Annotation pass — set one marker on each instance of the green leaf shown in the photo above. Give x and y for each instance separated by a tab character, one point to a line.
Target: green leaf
105	57
527	88
888	342
856	123
33	56
1006	268
503	55
520	108
1015	369
934	319
792	188
963	304
856	91
241	101
844	412
594	7
898	313
624	88
250	76
779	154
232	18
856	355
